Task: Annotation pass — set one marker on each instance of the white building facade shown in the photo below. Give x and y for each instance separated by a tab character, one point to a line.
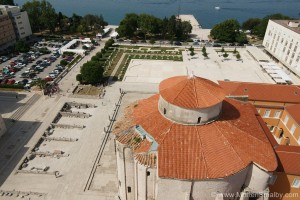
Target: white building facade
282	40
19	19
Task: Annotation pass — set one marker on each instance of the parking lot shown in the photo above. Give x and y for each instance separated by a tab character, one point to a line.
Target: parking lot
32	65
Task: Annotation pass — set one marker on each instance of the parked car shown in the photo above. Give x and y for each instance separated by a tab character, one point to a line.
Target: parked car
11	81
177	43
48	78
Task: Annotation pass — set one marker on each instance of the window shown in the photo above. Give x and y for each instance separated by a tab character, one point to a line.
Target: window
272	179
165	111
281	133
272	128
128	189
277	114
267	113
293	129
296	183
199	120
286	119
148	173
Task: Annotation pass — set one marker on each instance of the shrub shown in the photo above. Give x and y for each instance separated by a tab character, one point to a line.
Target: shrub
64	62
79	78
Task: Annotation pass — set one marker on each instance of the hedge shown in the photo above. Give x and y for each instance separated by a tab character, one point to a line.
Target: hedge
12	86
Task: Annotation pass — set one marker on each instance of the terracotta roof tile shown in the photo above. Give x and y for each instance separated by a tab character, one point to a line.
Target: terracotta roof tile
191	92
294	111
289	159
148	160
263	91
215	150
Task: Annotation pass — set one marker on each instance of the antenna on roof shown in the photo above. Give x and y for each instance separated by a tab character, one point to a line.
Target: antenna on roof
191	75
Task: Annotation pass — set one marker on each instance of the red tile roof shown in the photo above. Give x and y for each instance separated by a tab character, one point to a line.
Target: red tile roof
191	92
294	111
210	151
289	159
263	91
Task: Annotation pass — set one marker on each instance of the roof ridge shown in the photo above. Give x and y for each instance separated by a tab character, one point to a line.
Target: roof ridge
245	132
232	147
180	90
202	152
195	93
168	130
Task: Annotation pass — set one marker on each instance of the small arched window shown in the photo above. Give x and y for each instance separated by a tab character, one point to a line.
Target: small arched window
199	120
165	111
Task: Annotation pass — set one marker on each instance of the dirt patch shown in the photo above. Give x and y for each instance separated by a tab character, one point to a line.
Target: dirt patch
88	90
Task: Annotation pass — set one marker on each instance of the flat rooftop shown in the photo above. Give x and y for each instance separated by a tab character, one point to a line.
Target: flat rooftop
285	23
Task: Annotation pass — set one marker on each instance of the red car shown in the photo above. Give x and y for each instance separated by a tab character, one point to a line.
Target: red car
11	81
48	79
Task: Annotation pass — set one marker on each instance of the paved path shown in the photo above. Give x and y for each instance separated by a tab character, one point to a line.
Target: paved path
116	68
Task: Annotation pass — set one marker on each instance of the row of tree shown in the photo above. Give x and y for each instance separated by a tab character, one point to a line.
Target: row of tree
258	26
92	71
231	31
42	16
147	26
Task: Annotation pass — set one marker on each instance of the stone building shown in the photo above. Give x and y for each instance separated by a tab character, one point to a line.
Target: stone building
7	36
192	142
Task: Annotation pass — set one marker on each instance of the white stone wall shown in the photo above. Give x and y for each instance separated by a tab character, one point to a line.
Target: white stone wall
2	126
188	116
206	190
284	44
22	24
126	172
121	170
257	179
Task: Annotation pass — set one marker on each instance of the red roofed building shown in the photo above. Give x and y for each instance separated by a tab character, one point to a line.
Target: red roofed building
191	142
278	105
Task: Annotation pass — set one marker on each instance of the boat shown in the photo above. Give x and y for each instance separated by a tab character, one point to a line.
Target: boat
217	8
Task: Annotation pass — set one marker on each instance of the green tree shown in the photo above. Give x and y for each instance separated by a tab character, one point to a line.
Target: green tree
226	31
191	49
48	16
251	23
152	41
128	26
79	78
22	46
238	56
41	15
205	54
41	83
225	55
241	38
203	49
235	51
34	12
92	72
261	28
222	50
7	2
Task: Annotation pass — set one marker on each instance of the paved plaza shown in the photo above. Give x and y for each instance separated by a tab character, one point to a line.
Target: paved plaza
215	68
79	148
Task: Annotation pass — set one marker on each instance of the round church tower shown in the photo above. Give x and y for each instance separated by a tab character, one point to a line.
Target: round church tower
190	101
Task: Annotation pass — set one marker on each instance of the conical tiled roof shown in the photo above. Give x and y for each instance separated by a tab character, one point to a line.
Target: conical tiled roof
191	92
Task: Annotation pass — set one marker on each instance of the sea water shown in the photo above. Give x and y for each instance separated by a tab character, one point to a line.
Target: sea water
205	11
